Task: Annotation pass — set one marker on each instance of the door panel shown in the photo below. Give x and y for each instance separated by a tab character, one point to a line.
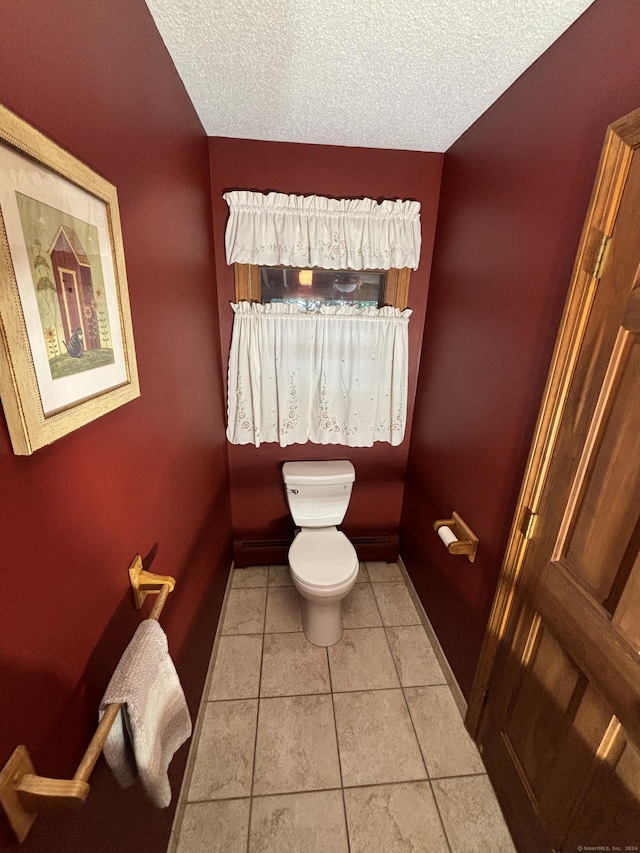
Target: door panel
627	613
609	491
560	727
609	810
587	730
532	730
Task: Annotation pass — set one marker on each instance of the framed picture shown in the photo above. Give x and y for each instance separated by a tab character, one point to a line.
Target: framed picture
66	341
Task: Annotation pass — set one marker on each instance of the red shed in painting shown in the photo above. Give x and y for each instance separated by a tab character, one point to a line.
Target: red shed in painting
74	286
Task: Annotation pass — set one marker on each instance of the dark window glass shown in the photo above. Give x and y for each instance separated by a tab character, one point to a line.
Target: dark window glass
312	288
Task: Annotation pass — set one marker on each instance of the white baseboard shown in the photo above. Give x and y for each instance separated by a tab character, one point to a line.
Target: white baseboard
195	737
450	678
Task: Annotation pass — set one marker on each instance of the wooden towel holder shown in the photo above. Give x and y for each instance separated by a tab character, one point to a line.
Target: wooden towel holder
22	792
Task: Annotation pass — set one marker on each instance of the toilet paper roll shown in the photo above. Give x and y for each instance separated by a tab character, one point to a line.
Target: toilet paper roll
447	535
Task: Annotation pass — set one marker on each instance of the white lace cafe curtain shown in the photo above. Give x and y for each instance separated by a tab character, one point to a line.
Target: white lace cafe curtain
312	231
337	376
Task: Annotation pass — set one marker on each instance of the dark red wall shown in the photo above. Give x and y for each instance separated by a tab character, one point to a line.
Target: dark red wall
514	196
96	78
257	496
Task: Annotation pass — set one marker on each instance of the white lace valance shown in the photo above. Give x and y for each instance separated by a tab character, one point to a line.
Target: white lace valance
313	231
337	376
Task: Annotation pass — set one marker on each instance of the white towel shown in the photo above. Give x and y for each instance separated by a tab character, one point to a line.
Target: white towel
154	719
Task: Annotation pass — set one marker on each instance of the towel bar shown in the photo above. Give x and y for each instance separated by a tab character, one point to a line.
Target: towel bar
22	792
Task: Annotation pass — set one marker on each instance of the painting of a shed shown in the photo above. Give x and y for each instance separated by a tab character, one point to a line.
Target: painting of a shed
74	287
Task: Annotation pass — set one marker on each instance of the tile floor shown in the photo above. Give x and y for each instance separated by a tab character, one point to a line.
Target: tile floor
358	748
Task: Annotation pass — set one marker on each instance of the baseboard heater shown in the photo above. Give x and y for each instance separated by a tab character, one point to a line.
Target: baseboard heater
273	552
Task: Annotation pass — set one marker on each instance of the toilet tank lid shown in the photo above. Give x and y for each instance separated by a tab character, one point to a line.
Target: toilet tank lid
324	471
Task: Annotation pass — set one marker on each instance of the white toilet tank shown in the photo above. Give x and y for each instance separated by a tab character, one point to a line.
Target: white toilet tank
318	493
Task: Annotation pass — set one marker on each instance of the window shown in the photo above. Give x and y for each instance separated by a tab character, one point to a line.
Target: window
310	288
320	333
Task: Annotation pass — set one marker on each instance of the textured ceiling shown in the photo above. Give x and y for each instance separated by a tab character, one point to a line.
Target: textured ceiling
411	74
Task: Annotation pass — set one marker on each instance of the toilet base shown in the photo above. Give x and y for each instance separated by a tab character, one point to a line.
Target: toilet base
322	623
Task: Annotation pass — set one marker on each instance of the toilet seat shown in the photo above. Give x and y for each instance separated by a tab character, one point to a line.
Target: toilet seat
322	558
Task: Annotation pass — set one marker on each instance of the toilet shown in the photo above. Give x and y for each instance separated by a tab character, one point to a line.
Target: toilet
322	561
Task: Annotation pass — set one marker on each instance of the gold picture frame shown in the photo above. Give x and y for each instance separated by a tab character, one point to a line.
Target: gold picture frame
67	352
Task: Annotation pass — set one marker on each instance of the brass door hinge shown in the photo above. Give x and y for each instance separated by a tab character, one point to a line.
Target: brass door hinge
595	255
528	523
601	255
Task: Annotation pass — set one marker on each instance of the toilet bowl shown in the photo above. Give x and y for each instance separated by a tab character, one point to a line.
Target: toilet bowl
322	561
324	568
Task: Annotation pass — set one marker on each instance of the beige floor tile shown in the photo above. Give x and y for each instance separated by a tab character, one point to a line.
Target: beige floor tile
216	827
361	660
363	575
236	672
245	611
400	818
299	823
249	576
359	608
283	610
376	738
414	656
395	604
380	572
290	731
291	666
471	815
224	760
446	745
296	746
279	576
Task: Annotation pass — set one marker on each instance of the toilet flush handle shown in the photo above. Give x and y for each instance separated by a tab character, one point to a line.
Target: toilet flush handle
292	491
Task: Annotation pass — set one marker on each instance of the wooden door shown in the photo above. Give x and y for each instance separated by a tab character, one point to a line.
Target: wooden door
69	299
556	704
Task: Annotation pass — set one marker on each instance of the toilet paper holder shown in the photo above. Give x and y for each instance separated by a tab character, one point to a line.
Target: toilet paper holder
465	542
